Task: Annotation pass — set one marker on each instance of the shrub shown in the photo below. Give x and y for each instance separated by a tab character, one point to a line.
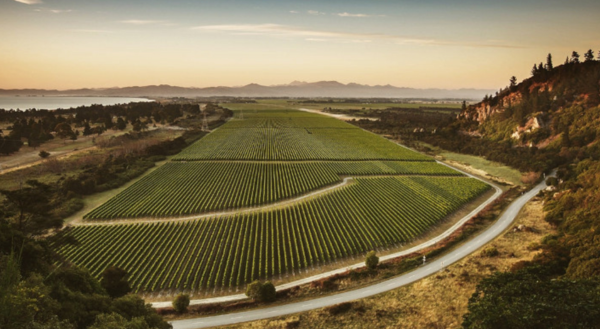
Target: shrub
262	292
339	308
490	252
181	303
372	260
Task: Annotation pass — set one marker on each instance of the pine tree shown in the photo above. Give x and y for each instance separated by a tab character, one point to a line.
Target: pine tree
513	82
589	56
534	70
549	65
575	57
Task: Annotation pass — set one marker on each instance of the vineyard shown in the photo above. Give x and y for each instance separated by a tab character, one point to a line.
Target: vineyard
294	136
263	157
232	251
199	187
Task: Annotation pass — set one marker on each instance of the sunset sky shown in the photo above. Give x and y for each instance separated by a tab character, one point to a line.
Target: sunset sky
63	44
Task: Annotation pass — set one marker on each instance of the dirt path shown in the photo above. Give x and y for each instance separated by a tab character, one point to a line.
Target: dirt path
342	117
56	155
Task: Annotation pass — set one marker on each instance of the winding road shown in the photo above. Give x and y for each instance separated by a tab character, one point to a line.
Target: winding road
469	247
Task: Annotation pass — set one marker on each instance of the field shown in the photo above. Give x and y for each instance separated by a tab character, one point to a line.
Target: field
226	252
193	188
262	157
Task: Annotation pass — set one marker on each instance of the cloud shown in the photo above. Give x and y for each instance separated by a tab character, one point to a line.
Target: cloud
60	11
30	2
277	30
53	11
345	14
294	12
142	22
92	31
315	12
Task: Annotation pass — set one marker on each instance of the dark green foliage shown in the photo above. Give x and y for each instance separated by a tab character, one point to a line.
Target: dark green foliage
339	308
114	281
253	290
268	292
262	292
43	154
526	300
9	145
181	303
549	65
490	252
552	181
371	261
589	56
28	208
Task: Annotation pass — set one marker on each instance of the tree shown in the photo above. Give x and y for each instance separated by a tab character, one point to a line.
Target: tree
575	57
372	260
64	131
268	292
549	65
114	281
526	300
463	107
534	70
87	130
513	82
589	56
28	208
261	292
115	320
121	124
43	154
181	303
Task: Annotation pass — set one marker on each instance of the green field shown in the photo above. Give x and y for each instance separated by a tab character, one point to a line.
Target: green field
262	157
293	136
193	188
231	251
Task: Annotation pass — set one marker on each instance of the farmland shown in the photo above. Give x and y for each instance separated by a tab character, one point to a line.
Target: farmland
193	188
231	251
262	157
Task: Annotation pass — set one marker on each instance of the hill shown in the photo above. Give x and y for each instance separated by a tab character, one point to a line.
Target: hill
294	89
550	120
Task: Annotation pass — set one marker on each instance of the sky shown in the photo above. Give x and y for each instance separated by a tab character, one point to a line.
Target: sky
451	44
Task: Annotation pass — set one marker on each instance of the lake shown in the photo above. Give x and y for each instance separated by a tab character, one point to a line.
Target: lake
59	102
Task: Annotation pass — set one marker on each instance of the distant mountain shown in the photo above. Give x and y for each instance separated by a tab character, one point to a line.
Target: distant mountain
293	89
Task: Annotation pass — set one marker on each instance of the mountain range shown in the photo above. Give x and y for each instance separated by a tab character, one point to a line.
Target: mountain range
295	89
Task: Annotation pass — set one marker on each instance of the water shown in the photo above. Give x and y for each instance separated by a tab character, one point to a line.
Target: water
59	102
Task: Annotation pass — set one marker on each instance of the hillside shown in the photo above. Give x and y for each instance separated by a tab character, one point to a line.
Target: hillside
550	120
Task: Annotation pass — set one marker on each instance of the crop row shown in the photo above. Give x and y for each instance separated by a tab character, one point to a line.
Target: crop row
179	188
295	144
232	251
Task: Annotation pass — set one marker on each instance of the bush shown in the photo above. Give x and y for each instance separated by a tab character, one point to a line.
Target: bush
262	292
372	260
551	181
339	308
268	292
490	252
181	303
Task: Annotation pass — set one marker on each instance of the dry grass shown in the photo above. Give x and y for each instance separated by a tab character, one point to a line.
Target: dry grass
438	301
